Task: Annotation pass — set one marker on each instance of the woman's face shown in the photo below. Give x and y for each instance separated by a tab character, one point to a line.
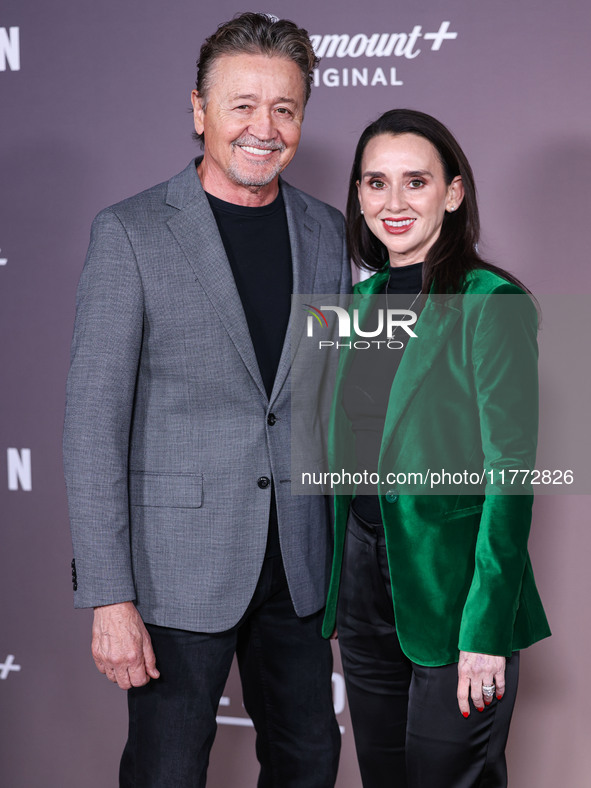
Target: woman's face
404	196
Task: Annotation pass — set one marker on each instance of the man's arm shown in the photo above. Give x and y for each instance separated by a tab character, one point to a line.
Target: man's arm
100	391
121	646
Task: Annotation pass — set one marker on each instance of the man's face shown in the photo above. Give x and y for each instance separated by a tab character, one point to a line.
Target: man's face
251	122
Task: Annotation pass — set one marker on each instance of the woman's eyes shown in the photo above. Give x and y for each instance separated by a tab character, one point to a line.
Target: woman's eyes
415	183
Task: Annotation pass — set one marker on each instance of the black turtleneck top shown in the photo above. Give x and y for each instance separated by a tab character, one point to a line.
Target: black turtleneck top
371	373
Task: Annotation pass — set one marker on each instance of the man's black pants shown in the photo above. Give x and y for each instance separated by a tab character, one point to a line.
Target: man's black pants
285	668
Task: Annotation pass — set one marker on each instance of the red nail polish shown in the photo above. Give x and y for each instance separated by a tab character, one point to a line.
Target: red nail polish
487	702
466	713
499	697
480	708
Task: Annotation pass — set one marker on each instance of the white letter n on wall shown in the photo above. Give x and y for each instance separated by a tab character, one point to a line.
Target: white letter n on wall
10	51
19	469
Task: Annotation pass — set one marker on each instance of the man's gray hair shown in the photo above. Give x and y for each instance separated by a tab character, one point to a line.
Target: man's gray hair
253	34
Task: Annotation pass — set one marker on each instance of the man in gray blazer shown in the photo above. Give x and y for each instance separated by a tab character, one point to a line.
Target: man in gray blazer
187	541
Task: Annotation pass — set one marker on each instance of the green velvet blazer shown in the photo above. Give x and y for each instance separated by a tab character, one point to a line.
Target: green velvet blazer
460	572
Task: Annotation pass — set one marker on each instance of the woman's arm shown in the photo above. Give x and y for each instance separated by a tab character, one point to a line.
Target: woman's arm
476	671
504	361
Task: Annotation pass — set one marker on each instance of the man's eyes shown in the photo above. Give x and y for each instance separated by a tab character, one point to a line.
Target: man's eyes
280	110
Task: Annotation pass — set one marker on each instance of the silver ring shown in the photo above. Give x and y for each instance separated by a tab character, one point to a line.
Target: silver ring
488	689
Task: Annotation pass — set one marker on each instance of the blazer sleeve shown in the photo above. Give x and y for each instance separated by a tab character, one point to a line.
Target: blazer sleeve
99	401
504	359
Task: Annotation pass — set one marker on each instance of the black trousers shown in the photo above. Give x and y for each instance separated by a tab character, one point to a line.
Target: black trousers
285	668
408	729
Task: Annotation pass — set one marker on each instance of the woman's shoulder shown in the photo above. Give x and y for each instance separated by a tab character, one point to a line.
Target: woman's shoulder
481	284
482	281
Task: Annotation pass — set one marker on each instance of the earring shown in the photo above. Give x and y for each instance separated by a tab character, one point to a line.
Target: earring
362	211
452	207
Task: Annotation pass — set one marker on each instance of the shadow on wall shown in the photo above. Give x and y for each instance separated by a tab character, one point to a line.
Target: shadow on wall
550	192
548	198
551	728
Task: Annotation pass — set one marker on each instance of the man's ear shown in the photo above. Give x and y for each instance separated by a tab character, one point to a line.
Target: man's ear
198	111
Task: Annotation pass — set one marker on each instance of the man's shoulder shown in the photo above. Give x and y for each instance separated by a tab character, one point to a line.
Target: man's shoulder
161	200
145	201
322	211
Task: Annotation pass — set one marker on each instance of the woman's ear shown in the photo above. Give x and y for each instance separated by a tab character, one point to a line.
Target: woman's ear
455	194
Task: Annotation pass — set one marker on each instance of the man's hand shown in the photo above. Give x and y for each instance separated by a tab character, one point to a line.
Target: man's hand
474	670
121	646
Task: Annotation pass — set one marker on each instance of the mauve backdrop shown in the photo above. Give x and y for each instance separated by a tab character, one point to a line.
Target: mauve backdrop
93	109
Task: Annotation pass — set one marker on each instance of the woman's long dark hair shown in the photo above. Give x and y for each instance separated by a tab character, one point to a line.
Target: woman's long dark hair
455	252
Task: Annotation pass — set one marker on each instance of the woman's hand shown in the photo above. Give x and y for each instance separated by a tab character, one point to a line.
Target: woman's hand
474	671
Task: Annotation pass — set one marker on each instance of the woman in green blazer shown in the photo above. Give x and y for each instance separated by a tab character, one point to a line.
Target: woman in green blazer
432	591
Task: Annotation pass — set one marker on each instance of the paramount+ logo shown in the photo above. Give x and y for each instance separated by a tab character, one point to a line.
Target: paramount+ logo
407	45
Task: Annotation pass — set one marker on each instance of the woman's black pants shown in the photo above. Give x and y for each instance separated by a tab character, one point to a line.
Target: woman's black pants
409	731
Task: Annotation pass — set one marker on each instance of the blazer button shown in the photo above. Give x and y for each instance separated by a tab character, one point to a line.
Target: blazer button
264	482
271	419
391	496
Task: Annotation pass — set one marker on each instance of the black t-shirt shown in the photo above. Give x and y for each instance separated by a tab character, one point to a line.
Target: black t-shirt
257	244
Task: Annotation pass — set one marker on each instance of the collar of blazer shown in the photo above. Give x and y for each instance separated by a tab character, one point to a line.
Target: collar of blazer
196	232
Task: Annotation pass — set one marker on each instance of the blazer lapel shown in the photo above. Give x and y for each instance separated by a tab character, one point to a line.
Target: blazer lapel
304	233
433	329
195	230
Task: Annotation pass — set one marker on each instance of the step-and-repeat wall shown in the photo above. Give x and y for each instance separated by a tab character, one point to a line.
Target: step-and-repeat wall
93	108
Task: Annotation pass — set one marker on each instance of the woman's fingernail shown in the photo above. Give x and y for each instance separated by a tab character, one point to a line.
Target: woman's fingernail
499	696
466	713
480	708
487	702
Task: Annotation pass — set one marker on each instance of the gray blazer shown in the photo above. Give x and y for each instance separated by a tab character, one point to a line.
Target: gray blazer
166	432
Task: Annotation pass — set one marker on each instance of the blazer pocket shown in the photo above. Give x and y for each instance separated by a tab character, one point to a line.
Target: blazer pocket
456	514
172	490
